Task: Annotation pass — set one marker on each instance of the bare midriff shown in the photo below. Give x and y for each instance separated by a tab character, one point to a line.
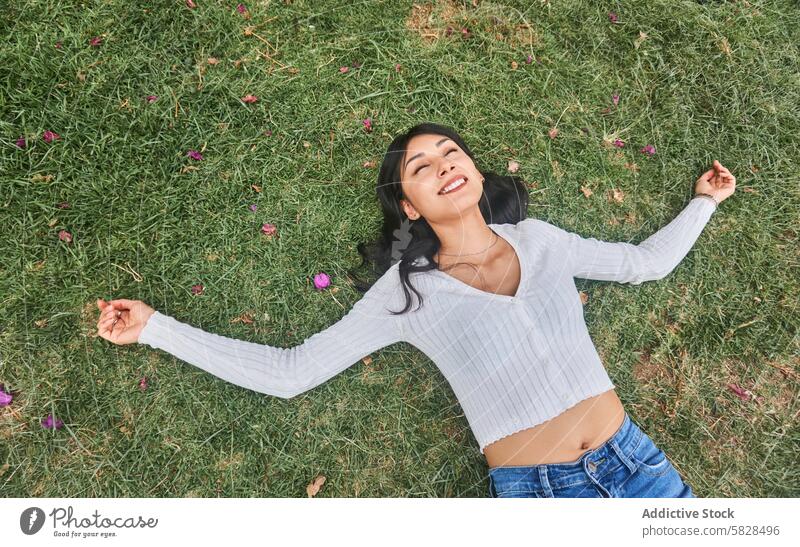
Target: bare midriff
563	439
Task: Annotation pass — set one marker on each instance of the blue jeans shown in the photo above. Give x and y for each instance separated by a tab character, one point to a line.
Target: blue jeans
628	465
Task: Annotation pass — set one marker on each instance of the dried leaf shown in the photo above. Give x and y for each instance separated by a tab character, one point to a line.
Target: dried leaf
617	195
553	132
584	297
255	187
313	487
642	37
586	191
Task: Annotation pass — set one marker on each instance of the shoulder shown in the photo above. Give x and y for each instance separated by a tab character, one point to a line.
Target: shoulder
537	228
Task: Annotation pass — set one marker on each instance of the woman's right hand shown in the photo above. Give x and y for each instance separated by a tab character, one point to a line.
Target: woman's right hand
133	315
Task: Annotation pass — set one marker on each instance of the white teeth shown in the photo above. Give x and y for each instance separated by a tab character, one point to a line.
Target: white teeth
455	184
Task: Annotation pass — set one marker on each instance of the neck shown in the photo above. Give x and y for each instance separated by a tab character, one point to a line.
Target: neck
469	235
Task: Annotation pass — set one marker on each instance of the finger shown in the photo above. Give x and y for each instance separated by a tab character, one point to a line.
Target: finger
122	302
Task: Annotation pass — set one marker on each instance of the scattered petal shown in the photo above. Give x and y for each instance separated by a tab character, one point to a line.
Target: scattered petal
649	149
612	16
195	155
743	394
50	423
249	99
465	33
513	166
514	65
253	207
618	143
586	191
369	164
448	31
63	205
190	4
343	69
151	98
553	132
268	228
255	187
528	60
212	61
367	125
321	280
268	132
21	142
615	99
314	486
356	65
143	383
197	289
49	136
584	297
240	8
64	235
398	67
96	41
5	396
57	45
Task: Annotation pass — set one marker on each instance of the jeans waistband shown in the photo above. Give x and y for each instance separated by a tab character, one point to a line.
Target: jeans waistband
605	458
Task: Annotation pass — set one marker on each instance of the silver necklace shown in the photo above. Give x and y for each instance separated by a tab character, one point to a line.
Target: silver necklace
479	252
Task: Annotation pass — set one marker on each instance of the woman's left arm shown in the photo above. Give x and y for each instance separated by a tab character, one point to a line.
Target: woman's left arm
656	256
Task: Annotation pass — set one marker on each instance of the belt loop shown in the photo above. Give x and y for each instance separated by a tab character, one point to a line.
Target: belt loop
548	491
621	453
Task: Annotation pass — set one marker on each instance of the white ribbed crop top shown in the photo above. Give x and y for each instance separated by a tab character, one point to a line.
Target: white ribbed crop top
512	361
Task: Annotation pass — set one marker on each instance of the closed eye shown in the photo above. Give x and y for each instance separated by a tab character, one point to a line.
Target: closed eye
426	165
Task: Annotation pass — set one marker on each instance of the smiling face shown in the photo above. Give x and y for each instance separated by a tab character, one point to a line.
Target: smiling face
430	163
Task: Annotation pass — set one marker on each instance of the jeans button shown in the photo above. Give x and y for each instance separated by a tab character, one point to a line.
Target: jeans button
592	466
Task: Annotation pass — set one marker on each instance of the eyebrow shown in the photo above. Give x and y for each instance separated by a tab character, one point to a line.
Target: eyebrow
415	156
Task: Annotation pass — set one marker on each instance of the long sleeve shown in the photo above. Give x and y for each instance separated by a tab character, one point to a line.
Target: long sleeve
653	258
286	372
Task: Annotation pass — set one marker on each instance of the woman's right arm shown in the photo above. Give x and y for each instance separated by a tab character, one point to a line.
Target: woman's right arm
285	372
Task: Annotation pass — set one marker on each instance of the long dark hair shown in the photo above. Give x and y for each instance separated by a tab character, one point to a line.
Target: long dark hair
504	200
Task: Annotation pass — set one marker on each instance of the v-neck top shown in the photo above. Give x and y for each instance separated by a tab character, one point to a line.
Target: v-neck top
512	362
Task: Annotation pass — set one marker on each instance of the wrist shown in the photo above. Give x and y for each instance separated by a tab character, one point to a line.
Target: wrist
705	195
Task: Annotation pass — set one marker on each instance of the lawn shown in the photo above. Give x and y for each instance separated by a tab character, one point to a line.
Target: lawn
135	139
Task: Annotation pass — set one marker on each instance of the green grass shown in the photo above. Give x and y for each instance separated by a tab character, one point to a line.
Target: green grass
713	80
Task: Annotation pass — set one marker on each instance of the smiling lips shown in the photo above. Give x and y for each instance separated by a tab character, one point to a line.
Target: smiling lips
453	186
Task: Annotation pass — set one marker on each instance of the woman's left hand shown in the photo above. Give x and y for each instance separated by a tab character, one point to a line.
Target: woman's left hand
717	181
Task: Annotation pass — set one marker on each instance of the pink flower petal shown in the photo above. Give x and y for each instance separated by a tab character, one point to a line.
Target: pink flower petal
321	280
253	207
618	143
615	99
151	98
197	289
343	69
96	41
268	228
143	383
367	125
528	60
57	45
240	8
190	4
5	396
649	149
50	136
250	99
64	235
397	67
195	155
49	423
612	16
21	142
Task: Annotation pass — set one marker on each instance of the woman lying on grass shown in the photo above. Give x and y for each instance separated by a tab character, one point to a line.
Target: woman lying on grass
502	319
